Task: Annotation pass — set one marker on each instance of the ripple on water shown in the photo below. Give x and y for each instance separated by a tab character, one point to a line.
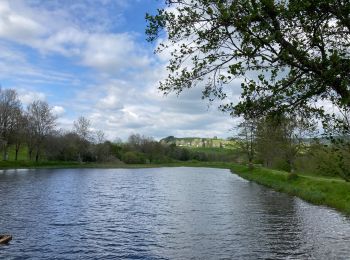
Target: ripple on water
167	213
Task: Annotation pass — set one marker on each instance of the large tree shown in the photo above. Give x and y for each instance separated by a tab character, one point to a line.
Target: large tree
10	107
41	123
287	54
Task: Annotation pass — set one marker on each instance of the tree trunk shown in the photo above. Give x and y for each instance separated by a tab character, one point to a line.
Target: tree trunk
30	152
17	150
291	165
79	158
4	155
250	164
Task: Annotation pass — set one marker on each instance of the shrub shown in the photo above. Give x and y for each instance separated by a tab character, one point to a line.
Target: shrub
133	158
292	176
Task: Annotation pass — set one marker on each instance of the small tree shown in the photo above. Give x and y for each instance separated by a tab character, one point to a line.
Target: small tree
281	137
247	138
296	129
19	131
82	128
268	140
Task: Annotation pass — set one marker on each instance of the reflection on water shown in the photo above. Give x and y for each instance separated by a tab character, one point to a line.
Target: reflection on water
166	213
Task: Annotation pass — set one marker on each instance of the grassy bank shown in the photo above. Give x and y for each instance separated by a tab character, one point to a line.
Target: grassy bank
334	193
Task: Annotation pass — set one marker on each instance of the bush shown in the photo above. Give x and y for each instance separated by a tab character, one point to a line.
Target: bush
134	158
292	176
160	159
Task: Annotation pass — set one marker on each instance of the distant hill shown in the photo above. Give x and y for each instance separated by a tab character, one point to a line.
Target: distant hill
199	142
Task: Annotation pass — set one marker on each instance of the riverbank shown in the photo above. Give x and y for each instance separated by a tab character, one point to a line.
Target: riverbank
334	193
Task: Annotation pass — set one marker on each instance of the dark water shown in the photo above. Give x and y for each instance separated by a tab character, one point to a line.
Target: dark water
167	213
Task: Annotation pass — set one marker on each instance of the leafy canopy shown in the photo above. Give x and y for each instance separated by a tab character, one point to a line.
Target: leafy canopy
287	54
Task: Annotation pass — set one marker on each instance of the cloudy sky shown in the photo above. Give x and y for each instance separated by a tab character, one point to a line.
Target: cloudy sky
91	59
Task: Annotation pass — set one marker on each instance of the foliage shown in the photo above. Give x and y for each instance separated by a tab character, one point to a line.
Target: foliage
247	138
338	160
280	139
291	176
287	54
134	158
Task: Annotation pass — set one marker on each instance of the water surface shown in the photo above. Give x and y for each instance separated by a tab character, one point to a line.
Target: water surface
165	213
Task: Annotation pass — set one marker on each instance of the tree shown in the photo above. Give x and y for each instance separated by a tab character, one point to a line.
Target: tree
102	147
19	130
100	137
10	106
296	129
41	124
82	129
280	138
338	131
247	138
287	53
268	141
69	144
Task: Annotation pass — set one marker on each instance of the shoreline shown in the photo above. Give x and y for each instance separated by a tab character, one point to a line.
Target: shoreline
75	165
334	193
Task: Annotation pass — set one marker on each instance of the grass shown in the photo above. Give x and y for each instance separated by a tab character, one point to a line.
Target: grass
20	164
334	193
22	154
318	190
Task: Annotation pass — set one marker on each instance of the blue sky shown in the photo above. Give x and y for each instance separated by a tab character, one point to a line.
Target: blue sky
91	58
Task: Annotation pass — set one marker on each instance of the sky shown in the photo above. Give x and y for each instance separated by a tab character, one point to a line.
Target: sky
90	58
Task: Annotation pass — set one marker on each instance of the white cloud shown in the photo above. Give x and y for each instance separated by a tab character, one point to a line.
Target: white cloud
58	110
28	97
16	26
112	52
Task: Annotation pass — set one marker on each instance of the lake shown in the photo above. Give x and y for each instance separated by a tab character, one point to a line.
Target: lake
163	213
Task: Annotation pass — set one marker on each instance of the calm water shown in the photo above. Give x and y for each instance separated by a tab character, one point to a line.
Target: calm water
166	213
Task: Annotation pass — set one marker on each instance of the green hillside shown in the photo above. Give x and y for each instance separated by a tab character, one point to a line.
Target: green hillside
198	142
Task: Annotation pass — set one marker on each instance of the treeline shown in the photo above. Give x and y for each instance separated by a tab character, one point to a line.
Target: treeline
33	130
288	142
292	142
